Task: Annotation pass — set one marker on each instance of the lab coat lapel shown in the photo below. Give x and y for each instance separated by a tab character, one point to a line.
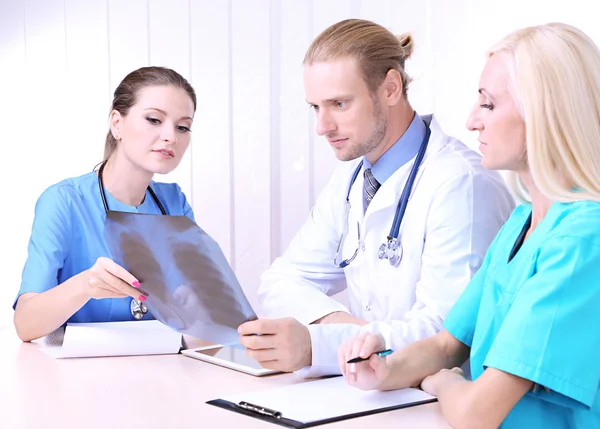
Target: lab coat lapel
389	193
356	199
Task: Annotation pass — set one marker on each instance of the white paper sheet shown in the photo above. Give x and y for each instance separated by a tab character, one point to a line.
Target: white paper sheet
147	337
324	399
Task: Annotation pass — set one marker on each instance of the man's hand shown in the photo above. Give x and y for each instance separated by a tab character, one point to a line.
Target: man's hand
340	317
281	344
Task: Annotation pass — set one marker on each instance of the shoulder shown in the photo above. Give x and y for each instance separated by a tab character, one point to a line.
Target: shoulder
456	159
172	196
61	194
344	171
449	161
515	222
520	213
170	192
576	220
339	182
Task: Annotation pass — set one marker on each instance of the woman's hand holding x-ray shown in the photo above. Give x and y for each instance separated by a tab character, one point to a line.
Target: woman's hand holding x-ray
107	279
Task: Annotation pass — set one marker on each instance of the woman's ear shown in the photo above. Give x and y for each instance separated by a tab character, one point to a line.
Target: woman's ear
115	121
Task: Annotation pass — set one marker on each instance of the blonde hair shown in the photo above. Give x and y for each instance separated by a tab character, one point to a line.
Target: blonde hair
555	80
376	49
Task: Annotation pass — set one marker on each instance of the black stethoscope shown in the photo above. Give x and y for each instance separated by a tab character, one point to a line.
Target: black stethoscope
392	248
137	307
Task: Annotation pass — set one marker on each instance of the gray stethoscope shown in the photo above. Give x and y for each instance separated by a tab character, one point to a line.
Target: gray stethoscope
392	248
137	307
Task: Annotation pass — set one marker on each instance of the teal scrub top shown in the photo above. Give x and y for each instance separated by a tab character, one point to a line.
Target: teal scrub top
67	238
538	316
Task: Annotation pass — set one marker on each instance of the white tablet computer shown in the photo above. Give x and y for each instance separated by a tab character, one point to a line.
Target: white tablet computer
230	357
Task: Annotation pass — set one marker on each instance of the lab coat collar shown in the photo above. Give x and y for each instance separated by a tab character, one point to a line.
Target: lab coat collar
389	193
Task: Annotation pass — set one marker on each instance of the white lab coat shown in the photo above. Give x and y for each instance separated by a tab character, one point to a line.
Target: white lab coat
454	212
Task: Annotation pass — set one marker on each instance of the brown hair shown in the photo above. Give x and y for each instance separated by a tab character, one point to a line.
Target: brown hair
375	48
126	93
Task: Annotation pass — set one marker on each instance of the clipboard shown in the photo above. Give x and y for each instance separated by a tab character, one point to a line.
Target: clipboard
309	404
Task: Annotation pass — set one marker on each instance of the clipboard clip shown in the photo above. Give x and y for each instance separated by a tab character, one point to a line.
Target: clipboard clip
260	410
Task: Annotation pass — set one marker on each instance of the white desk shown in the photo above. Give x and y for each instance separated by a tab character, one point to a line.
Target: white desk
143	392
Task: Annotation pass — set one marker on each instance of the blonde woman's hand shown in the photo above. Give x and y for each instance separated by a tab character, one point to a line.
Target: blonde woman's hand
368	374
432	383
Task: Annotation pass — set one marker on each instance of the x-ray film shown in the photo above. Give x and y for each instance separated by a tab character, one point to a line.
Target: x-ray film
191	286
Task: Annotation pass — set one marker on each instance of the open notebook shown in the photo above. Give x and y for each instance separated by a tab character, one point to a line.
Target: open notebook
140	337
310	403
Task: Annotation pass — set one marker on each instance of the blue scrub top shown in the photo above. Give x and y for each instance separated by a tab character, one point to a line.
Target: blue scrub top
538	316
68	237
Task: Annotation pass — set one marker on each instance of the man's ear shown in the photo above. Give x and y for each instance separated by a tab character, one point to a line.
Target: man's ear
392	85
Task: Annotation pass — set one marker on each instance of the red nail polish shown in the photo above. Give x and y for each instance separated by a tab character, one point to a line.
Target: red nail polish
135	283
142	298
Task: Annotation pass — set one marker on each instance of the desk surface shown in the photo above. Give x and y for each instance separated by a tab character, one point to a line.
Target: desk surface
169	391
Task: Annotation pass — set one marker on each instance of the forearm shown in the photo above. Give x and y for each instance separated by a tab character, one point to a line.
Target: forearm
482	404
340	317
453	398
37	315
411	364
300	301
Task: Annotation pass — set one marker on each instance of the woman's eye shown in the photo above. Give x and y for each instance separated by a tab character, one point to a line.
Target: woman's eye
183	129
153	120
487	106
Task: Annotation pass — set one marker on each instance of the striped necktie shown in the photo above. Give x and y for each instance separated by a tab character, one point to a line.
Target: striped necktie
371	186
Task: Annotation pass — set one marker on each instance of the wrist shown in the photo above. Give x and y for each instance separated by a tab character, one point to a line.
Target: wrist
82	289
449	382
308	356
394	378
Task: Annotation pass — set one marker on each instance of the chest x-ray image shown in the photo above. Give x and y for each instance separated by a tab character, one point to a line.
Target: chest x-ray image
191	286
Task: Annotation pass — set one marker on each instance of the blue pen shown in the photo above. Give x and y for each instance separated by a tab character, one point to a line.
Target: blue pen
381	353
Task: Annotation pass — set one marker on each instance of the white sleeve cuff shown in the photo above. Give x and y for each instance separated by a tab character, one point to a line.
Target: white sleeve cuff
325	341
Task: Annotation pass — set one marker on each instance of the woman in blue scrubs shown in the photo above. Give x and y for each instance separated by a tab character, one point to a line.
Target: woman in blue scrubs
530	318
68	275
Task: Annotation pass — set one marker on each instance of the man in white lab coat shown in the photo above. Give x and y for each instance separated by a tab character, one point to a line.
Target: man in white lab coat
355	81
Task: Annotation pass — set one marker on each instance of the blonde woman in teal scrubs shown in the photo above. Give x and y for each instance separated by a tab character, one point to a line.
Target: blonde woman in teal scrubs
530	318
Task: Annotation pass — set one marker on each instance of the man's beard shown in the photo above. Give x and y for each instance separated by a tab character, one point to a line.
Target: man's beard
362	148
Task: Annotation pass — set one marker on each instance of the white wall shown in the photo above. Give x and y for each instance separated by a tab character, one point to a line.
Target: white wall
60	60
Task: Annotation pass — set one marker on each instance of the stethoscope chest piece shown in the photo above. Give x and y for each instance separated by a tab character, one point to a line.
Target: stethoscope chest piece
391	250
138	309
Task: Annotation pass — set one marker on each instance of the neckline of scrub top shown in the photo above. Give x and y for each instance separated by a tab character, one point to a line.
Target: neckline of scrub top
520	239
116	205
541	229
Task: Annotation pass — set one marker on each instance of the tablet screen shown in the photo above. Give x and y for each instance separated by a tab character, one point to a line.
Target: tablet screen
231	354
